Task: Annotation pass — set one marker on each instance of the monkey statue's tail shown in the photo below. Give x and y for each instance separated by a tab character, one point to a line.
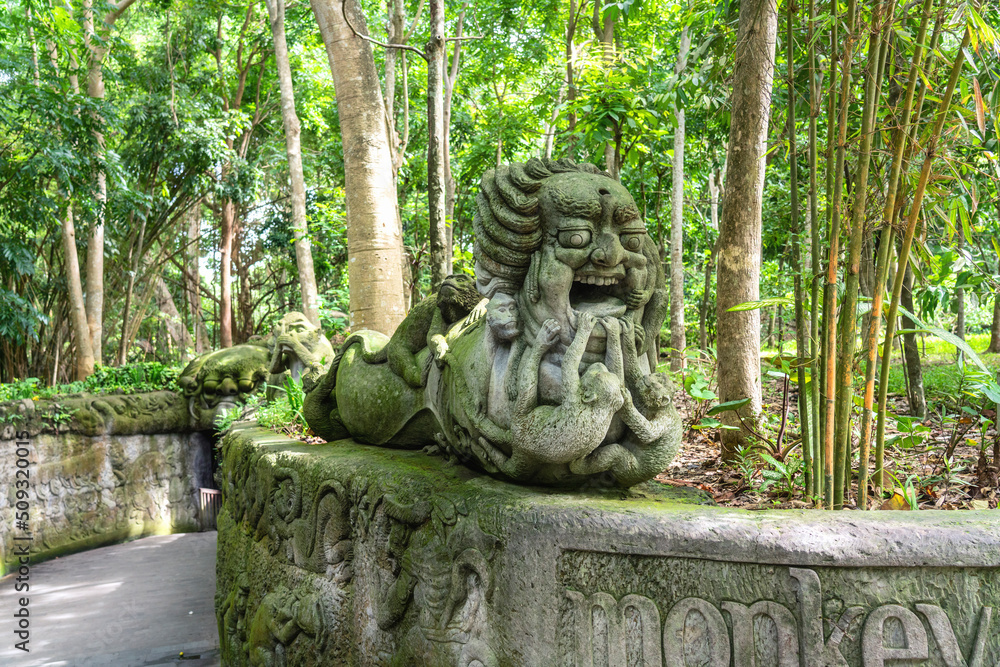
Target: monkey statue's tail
320	405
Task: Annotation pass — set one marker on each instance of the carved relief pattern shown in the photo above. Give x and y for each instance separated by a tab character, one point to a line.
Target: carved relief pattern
426	567
87	489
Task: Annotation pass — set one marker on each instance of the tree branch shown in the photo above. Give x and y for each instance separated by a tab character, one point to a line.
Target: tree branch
404	47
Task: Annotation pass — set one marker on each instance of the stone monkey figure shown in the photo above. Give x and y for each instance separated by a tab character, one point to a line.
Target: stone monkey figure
556	433
425	326
646	288
647	415
504	347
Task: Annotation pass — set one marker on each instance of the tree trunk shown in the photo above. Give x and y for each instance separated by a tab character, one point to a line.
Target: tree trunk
570	52
677	334
440	256
226	233
303	248
738	273
603	25
97	50
373	242
192	276
703	315
914	373
172	317
450	76
84	350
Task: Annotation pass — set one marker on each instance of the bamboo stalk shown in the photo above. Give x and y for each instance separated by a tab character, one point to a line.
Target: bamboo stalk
815	279
834	454
829	292
800	319
904	253
848	317
884	255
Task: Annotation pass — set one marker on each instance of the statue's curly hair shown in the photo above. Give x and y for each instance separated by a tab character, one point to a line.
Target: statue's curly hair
507	222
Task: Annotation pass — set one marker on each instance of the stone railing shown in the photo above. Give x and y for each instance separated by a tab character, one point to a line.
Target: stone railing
84	471
354	555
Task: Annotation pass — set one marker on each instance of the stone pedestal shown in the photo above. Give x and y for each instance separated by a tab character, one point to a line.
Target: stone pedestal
345	554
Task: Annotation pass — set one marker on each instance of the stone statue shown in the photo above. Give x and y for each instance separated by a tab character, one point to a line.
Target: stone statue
298	349
551	378
221	380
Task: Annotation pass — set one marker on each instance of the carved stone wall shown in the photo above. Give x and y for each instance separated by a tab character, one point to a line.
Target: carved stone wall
89	491
342	554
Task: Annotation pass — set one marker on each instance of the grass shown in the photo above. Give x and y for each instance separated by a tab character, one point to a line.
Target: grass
942	374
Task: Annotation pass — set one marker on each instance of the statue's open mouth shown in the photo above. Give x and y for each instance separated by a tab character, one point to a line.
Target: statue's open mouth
601	295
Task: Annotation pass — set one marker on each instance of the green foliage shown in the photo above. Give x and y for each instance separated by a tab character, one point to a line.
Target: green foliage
128	379
285	411
785	473
911	432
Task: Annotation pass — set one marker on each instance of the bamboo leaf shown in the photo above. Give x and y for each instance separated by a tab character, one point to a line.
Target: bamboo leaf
948	337
763	303
980	107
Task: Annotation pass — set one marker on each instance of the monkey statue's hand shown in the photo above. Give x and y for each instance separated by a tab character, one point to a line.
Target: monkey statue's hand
611	326
439	348
632	336
477	313
549	333
628	328
638	297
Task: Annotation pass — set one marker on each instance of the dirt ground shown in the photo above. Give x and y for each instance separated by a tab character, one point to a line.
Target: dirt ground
920	472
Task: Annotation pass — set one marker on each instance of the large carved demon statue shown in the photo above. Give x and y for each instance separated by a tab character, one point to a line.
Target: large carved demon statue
543	370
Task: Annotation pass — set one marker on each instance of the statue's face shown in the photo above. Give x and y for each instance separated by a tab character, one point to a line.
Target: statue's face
593	235
501	316
298	343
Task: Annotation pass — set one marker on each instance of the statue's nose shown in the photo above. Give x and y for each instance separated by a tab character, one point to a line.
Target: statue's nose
228	387
609	251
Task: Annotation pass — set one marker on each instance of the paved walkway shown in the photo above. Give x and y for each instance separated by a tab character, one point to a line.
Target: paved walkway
128	605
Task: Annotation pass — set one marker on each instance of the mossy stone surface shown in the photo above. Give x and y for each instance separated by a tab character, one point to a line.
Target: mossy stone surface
367	556
84	491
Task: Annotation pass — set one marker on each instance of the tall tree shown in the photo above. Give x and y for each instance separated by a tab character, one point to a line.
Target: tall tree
435	54
293	146
738	272
96	40
677	333
374	245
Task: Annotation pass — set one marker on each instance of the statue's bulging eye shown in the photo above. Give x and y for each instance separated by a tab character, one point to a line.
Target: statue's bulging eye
246	386
632	242
574	238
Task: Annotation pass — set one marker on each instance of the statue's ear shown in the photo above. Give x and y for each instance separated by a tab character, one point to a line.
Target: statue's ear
589	396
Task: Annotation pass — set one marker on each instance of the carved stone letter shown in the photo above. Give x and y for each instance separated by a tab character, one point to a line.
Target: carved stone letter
743	632
712	635
944	635
819	653
873	648
602	630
